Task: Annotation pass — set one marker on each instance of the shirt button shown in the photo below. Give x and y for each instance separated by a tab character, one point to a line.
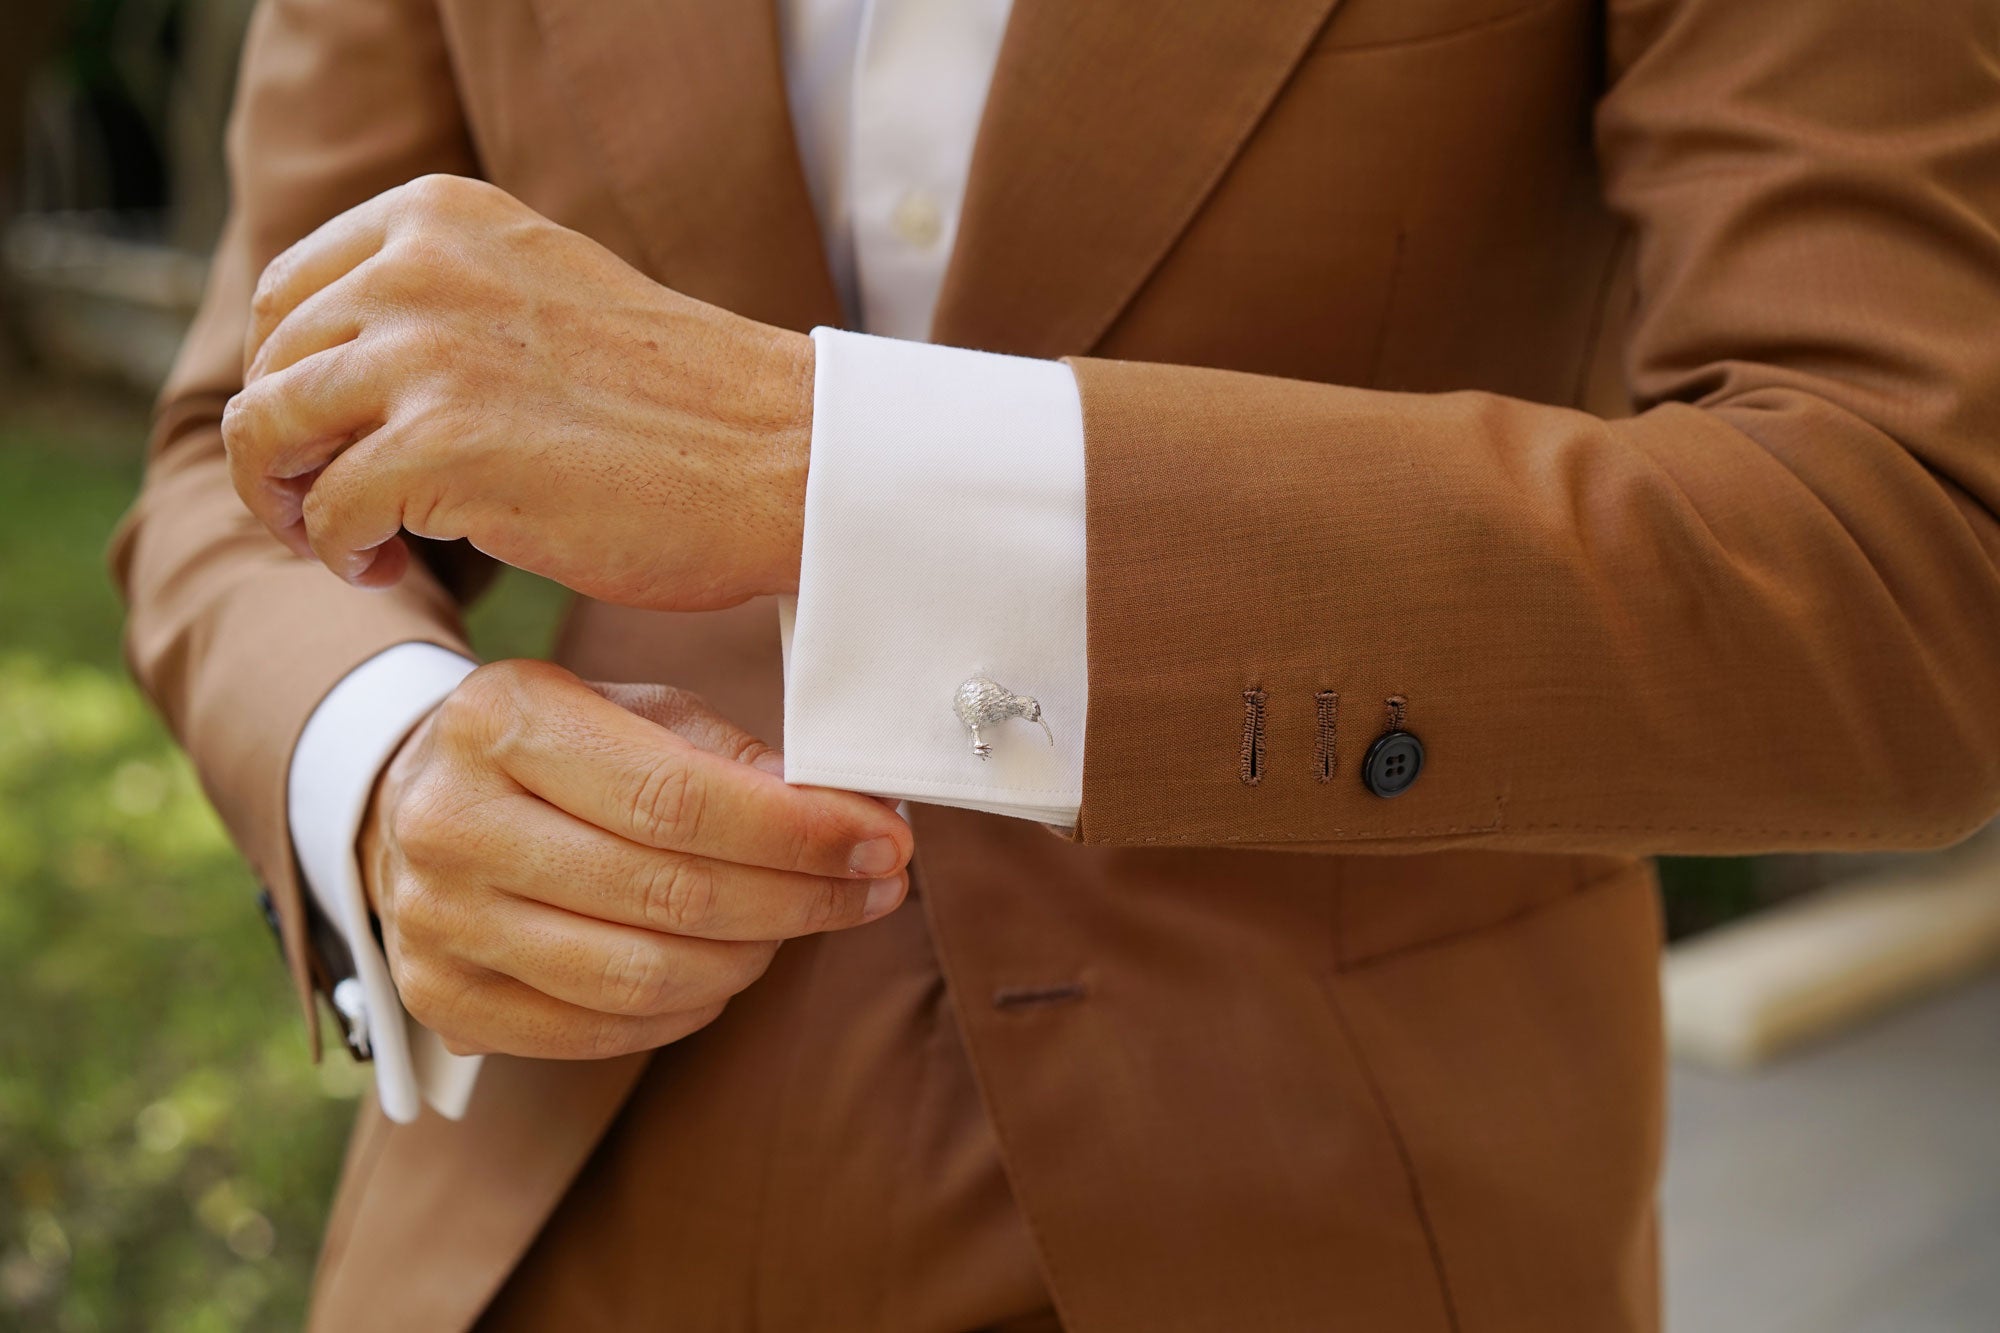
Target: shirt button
916	220
1392	763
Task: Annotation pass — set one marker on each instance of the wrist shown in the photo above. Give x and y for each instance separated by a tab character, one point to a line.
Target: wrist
788	449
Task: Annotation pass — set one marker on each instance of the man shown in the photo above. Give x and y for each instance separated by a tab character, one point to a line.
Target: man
1378	619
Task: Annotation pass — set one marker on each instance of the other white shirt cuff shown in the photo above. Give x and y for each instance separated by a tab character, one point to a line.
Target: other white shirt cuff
944	539
350	736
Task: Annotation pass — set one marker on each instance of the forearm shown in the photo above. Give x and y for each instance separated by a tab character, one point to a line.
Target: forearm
1763	613
1753	624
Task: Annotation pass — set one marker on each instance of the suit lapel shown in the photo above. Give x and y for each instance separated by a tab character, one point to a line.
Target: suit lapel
1107	125
685	100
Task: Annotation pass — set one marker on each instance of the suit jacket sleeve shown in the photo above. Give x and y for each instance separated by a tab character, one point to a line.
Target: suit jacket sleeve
1761	613
234	638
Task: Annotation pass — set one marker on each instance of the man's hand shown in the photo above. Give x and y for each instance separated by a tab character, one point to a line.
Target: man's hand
571	872
444	360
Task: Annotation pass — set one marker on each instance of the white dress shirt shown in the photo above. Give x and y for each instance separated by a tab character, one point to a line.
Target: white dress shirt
944	525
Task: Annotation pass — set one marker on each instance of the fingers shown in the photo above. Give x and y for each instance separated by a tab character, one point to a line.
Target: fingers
608	767
483	1013
358	505
287	426
335	249
554	858
413	211
606	967
328	317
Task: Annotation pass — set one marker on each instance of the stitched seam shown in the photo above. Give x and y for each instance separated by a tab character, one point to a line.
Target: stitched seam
1330	988
1326	758
1031	997
1250	760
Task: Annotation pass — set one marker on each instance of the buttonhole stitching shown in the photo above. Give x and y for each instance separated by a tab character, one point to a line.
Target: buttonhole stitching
1029	997
1326	759
1250	762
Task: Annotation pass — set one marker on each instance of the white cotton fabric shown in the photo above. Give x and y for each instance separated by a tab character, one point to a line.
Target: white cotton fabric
347	740
944	539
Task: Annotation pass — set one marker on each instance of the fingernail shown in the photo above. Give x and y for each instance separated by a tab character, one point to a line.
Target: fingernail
877	856
883	895
771	761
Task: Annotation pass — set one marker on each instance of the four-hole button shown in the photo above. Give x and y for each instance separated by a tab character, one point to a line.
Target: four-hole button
1392	763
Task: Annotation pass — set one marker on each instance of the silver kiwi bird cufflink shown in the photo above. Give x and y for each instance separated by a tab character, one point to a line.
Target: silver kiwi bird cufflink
981	702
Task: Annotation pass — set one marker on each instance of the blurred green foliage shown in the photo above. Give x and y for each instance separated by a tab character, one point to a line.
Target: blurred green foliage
166	1148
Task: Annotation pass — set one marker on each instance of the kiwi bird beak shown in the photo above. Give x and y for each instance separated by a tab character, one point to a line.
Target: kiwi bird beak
1045	730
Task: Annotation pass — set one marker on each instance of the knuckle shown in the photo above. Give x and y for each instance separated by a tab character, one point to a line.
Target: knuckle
442	818
636	980
488	686
607	1039
456	711
818	835
240	418
322	508
680	895
424	993
423	827
667	803
492	703
833	904
264	300
428	926
433	192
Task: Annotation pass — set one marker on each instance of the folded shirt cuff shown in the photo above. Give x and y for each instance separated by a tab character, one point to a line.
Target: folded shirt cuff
346	742
944	541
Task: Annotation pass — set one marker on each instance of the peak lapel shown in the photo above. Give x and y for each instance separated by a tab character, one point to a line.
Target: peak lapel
1107	126
686	102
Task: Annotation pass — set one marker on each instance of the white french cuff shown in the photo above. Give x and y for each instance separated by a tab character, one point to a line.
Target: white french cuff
944	541
350	736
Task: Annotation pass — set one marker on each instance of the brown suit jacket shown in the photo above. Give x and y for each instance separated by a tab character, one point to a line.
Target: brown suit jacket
1613	383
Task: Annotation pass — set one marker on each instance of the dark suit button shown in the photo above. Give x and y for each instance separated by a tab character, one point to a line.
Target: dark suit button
1392	763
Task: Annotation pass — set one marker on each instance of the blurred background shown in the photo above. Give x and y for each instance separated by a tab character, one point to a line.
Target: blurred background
166	1149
